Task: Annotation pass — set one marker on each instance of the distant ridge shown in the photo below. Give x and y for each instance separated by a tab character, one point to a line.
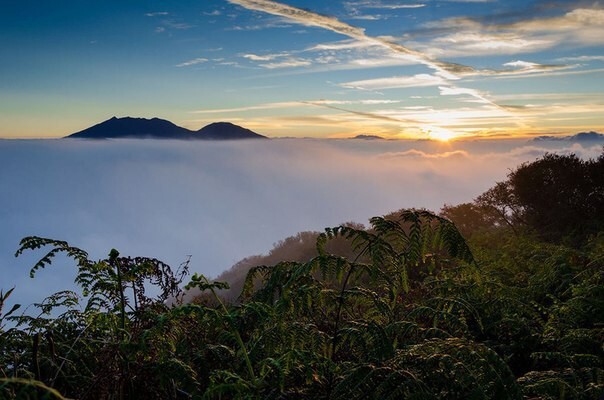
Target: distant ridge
579	137
368	137
156	128
226	131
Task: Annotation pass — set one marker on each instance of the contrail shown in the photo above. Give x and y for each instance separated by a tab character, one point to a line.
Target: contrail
447	70
364	114
309	18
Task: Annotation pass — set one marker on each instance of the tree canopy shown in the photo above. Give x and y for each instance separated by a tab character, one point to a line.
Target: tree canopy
559	197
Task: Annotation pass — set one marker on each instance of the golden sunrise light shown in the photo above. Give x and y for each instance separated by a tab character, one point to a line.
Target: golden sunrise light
302	199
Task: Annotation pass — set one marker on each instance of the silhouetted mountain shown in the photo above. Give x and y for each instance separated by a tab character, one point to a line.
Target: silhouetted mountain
368	137
226	131
579	137
587	137
155	128
129	127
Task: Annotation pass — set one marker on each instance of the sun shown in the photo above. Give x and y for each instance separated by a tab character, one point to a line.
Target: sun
438	133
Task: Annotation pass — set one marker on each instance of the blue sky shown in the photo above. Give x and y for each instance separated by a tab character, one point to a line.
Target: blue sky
419	69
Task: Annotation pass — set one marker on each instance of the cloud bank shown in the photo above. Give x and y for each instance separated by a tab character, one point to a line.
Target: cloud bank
220	202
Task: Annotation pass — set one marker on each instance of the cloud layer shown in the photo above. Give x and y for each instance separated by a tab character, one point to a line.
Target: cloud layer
220	202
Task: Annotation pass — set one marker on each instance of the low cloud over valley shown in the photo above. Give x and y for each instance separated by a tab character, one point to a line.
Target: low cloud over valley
220	202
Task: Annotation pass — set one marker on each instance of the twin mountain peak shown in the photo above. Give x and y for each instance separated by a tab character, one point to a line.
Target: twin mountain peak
156	128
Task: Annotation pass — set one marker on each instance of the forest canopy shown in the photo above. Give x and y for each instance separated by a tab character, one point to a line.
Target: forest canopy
499	298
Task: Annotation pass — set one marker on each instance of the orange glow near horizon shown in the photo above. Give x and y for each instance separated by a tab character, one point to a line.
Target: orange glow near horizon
442	134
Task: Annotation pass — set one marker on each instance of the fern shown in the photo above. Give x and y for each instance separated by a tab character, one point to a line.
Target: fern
18	388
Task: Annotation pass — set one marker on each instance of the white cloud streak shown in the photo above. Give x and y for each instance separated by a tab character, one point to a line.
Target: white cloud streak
265	106
289	62
341	45
264	57
308	18
195	61
379	5
296	104
581	58
548	74
364	102
419	80
399	6
456	91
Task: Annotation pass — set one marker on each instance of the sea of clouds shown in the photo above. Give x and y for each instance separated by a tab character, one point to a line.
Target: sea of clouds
222	201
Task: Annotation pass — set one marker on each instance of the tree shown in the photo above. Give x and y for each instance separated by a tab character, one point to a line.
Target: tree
471	218
559	197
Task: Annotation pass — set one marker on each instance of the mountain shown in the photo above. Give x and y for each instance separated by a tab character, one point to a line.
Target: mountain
580	137
129	127
368	137
226	131
155	128
587	137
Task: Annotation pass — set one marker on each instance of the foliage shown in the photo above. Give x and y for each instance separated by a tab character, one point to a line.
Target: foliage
560	197
405	308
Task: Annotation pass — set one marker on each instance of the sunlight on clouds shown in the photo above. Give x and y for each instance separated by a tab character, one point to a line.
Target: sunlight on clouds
402	121
439	133
295	104
265	106
520	67
455	65
469	38
580	27
419	154
461	121
476	95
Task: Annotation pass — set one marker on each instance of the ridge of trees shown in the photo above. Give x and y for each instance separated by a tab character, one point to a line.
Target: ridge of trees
559	197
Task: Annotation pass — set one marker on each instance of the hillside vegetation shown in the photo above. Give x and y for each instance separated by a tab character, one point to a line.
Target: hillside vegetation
501	298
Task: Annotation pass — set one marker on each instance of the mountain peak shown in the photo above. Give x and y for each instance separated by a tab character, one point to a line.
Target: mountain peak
590	136
157	128
222	123
130	127
368	137
227	131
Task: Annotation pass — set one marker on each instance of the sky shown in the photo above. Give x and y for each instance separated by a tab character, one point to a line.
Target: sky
305	68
